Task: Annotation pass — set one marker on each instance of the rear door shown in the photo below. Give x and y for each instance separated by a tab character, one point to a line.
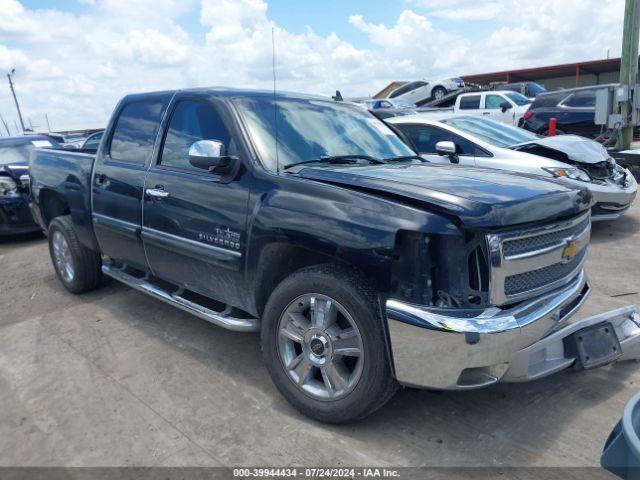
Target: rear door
470	104
118	177
195	231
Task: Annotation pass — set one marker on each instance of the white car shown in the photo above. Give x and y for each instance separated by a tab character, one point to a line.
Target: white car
480	142
423	90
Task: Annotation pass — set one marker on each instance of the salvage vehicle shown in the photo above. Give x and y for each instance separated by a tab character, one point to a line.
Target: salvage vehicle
423	90
479	142
309	220
15	216
506	107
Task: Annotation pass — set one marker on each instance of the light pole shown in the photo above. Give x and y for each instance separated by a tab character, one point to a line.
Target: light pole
15	99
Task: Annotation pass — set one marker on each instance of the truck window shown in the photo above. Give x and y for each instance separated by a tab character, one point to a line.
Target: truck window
471	102
135	132
492	102
191	121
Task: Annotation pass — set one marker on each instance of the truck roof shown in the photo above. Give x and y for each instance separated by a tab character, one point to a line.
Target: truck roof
227	92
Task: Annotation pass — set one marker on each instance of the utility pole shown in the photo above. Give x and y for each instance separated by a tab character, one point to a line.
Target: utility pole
629	71
46	117
15	99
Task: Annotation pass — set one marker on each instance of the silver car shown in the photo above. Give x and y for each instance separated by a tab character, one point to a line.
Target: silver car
474	141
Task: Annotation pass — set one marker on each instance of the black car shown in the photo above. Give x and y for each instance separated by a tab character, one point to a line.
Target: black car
574	110
15	216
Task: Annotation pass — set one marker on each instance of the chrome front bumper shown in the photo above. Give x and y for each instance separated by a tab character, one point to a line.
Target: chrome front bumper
434	350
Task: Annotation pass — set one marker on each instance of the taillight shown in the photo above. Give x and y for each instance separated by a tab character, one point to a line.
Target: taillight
527	115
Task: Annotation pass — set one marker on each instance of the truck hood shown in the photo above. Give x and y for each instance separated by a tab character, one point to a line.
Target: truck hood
576	148
477	197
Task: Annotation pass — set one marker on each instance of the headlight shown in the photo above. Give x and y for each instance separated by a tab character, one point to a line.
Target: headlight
572	173
8	187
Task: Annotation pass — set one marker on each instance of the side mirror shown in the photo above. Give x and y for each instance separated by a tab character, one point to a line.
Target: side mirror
448	148
505	106
209	155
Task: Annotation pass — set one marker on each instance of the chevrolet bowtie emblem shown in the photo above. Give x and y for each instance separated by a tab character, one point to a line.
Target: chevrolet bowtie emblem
570	250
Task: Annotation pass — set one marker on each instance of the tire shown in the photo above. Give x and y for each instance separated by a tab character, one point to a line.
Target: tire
77	266
365	380
438	92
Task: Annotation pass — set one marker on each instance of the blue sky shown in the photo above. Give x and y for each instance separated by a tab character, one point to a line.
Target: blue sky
81	56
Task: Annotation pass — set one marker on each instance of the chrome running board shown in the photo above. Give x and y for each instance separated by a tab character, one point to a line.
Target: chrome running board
222	319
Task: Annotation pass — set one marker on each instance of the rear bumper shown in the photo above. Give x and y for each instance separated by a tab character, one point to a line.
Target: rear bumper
525	342
15	217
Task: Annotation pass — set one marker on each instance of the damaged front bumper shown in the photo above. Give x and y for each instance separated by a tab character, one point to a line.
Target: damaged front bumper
531	340
613	197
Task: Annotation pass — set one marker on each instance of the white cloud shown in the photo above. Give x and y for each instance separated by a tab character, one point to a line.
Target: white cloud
75	67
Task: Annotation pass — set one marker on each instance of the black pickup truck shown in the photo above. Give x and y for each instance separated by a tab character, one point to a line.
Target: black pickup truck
309	220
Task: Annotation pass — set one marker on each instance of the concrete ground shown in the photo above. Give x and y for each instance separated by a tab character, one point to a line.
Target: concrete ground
115	378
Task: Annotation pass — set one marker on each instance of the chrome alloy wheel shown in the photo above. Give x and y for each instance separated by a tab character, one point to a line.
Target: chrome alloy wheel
62	256
320	346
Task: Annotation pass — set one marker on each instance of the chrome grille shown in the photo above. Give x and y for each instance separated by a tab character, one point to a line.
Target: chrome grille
533	261
536	242
523	282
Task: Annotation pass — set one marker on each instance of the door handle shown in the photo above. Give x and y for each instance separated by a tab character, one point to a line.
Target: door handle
101	179
156	193
486	113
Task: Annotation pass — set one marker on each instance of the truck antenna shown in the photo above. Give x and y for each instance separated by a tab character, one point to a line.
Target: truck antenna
275	102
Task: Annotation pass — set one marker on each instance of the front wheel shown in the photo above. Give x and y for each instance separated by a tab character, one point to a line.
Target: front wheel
77	267
324	345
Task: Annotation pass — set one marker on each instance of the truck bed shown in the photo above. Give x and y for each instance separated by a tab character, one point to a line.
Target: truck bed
66	174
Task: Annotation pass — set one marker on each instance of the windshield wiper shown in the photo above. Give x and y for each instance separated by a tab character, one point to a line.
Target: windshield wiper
406	157
339	159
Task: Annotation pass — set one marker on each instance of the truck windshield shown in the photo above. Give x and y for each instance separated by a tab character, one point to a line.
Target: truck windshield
309	130
495	133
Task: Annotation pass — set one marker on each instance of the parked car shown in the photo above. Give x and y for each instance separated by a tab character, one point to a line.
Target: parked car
506	107
15	217
309	220
480	142
574	110
423	90
92	142
528	89
386	108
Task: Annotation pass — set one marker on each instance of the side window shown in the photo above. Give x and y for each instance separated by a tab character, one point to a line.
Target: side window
191	121
385	105
471	102
463	146
424	137
135	132
492	102
583	99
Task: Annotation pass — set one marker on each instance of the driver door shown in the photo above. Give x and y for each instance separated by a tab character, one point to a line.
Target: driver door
493	108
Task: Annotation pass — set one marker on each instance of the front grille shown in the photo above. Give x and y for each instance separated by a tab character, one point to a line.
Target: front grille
533	261
539	242
524	282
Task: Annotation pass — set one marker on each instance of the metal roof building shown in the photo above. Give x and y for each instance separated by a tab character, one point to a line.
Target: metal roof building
567	75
